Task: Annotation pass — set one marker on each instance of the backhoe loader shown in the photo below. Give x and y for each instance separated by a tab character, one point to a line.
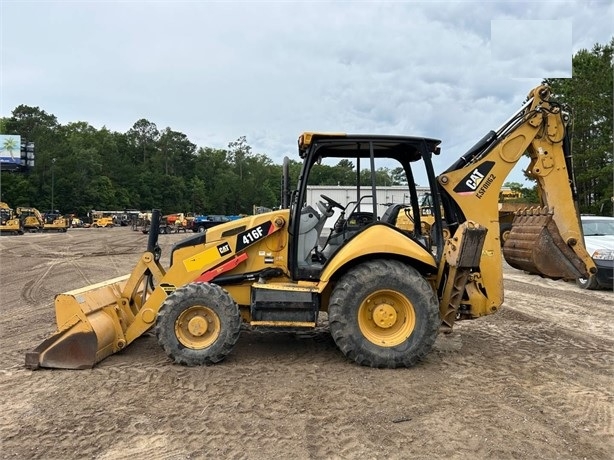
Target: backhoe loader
387	291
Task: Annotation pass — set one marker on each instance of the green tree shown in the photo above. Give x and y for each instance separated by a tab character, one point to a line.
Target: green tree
239	152
143	136
16	190
590	94
30	122
527	194
175	153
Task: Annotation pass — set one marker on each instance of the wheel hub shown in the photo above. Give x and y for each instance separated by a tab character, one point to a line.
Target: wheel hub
198	326
384	316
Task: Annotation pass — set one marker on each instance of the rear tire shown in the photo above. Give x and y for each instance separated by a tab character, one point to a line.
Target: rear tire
383	313
587	283
198	324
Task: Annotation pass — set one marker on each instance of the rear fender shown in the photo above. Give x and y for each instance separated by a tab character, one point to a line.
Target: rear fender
374	240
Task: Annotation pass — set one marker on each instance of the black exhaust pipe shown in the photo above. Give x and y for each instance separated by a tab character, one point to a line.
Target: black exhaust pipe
154	230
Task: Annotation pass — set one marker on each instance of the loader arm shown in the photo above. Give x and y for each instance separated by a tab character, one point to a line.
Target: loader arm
99	320
546	240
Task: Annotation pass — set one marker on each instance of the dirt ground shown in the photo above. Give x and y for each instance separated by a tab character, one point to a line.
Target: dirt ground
533	381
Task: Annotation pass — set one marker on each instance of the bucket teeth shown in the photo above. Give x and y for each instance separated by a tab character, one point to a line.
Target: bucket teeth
535	211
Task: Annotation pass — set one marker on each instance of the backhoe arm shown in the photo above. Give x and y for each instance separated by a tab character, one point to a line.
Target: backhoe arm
547	240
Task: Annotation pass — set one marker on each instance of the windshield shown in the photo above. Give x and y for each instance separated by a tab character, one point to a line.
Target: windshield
598	227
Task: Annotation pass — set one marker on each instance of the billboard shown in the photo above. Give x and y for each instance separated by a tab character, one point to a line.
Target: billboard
10	151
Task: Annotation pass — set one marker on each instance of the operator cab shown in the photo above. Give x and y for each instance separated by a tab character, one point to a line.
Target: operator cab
320	225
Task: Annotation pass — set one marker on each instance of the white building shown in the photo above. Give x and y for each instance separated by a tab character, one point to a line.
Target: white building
346	194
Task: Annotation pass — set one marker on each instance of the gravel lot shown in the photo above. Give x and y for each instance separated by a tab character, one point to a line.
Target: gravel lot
533	381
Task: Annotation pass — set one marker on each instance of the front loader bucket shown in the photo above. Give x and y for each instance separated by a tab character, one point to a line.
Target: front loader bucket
89	328
99	320
535	245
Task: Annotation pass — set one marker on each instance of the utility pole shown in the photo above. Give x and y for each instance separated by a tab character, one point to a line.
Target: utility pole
52	182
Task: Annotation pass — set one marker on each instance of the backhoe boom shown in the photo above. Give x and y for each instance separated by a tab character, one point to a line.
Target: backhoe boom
546	240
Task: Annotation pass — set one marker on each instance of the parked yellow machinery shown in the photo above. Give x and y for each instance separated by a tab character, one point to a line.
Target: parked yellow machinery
31	219
55	222
9	222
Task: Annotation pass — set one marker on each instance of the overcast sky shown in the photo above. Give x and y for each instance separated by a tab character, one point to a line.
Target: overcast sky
216	71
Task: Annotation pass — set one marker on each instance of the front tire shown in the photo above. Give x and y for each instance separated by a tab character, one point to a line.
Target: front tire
383	313
198	324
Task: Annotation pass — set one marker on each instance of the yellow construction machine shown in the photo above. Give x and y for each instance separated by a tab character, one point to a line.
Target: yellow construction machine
31	219
387	291
9	222
55	222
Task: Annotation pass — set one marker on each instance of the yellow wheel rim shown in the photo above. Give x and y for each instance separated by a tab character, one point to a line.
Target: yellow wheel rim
386	318
197	327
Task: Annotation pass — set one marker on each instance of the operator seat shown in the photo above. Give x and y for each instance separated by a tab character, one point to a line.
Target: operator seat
309	230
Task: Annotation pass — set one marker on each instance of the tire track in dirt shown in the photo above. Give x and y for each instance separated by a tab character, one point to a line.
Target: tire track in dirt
552	361
31	292
569	305
519	384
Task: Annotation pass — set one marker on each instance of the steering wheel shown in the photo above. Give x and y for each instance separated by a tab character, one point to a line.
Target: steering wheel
332	203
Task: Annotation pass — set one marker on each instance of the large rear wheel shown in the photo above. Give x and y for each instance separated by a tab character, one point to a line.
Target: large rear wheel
383	313
198	324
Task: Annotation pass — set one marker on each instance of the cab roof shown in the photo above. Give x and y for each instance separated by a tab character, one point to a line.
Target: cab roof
343	145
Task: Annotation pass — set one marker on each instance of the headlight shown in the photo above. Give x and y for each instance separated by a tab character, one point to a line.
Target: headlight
603	254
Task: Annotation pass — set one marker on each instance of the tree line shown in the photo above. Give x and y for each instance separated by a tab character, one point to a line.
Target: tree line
81	168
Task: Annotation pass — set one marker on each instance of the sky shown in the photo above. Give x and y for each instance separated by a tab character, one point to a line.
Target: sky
216	71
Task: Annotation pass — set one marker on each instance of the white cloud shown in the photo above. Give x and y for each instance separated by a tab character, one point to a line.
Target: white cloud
270	70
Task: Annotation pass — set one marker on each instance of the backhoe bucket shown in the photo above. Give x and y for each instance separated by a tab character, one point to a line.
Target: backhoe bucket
89	328
535	245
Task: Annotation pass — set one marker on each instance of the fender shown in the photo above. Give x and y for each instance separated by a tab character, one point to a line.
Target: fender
377	239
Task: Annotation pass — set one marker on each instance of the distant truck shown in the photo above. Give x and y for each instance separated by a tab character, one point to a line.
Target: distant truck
170	223
202	223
